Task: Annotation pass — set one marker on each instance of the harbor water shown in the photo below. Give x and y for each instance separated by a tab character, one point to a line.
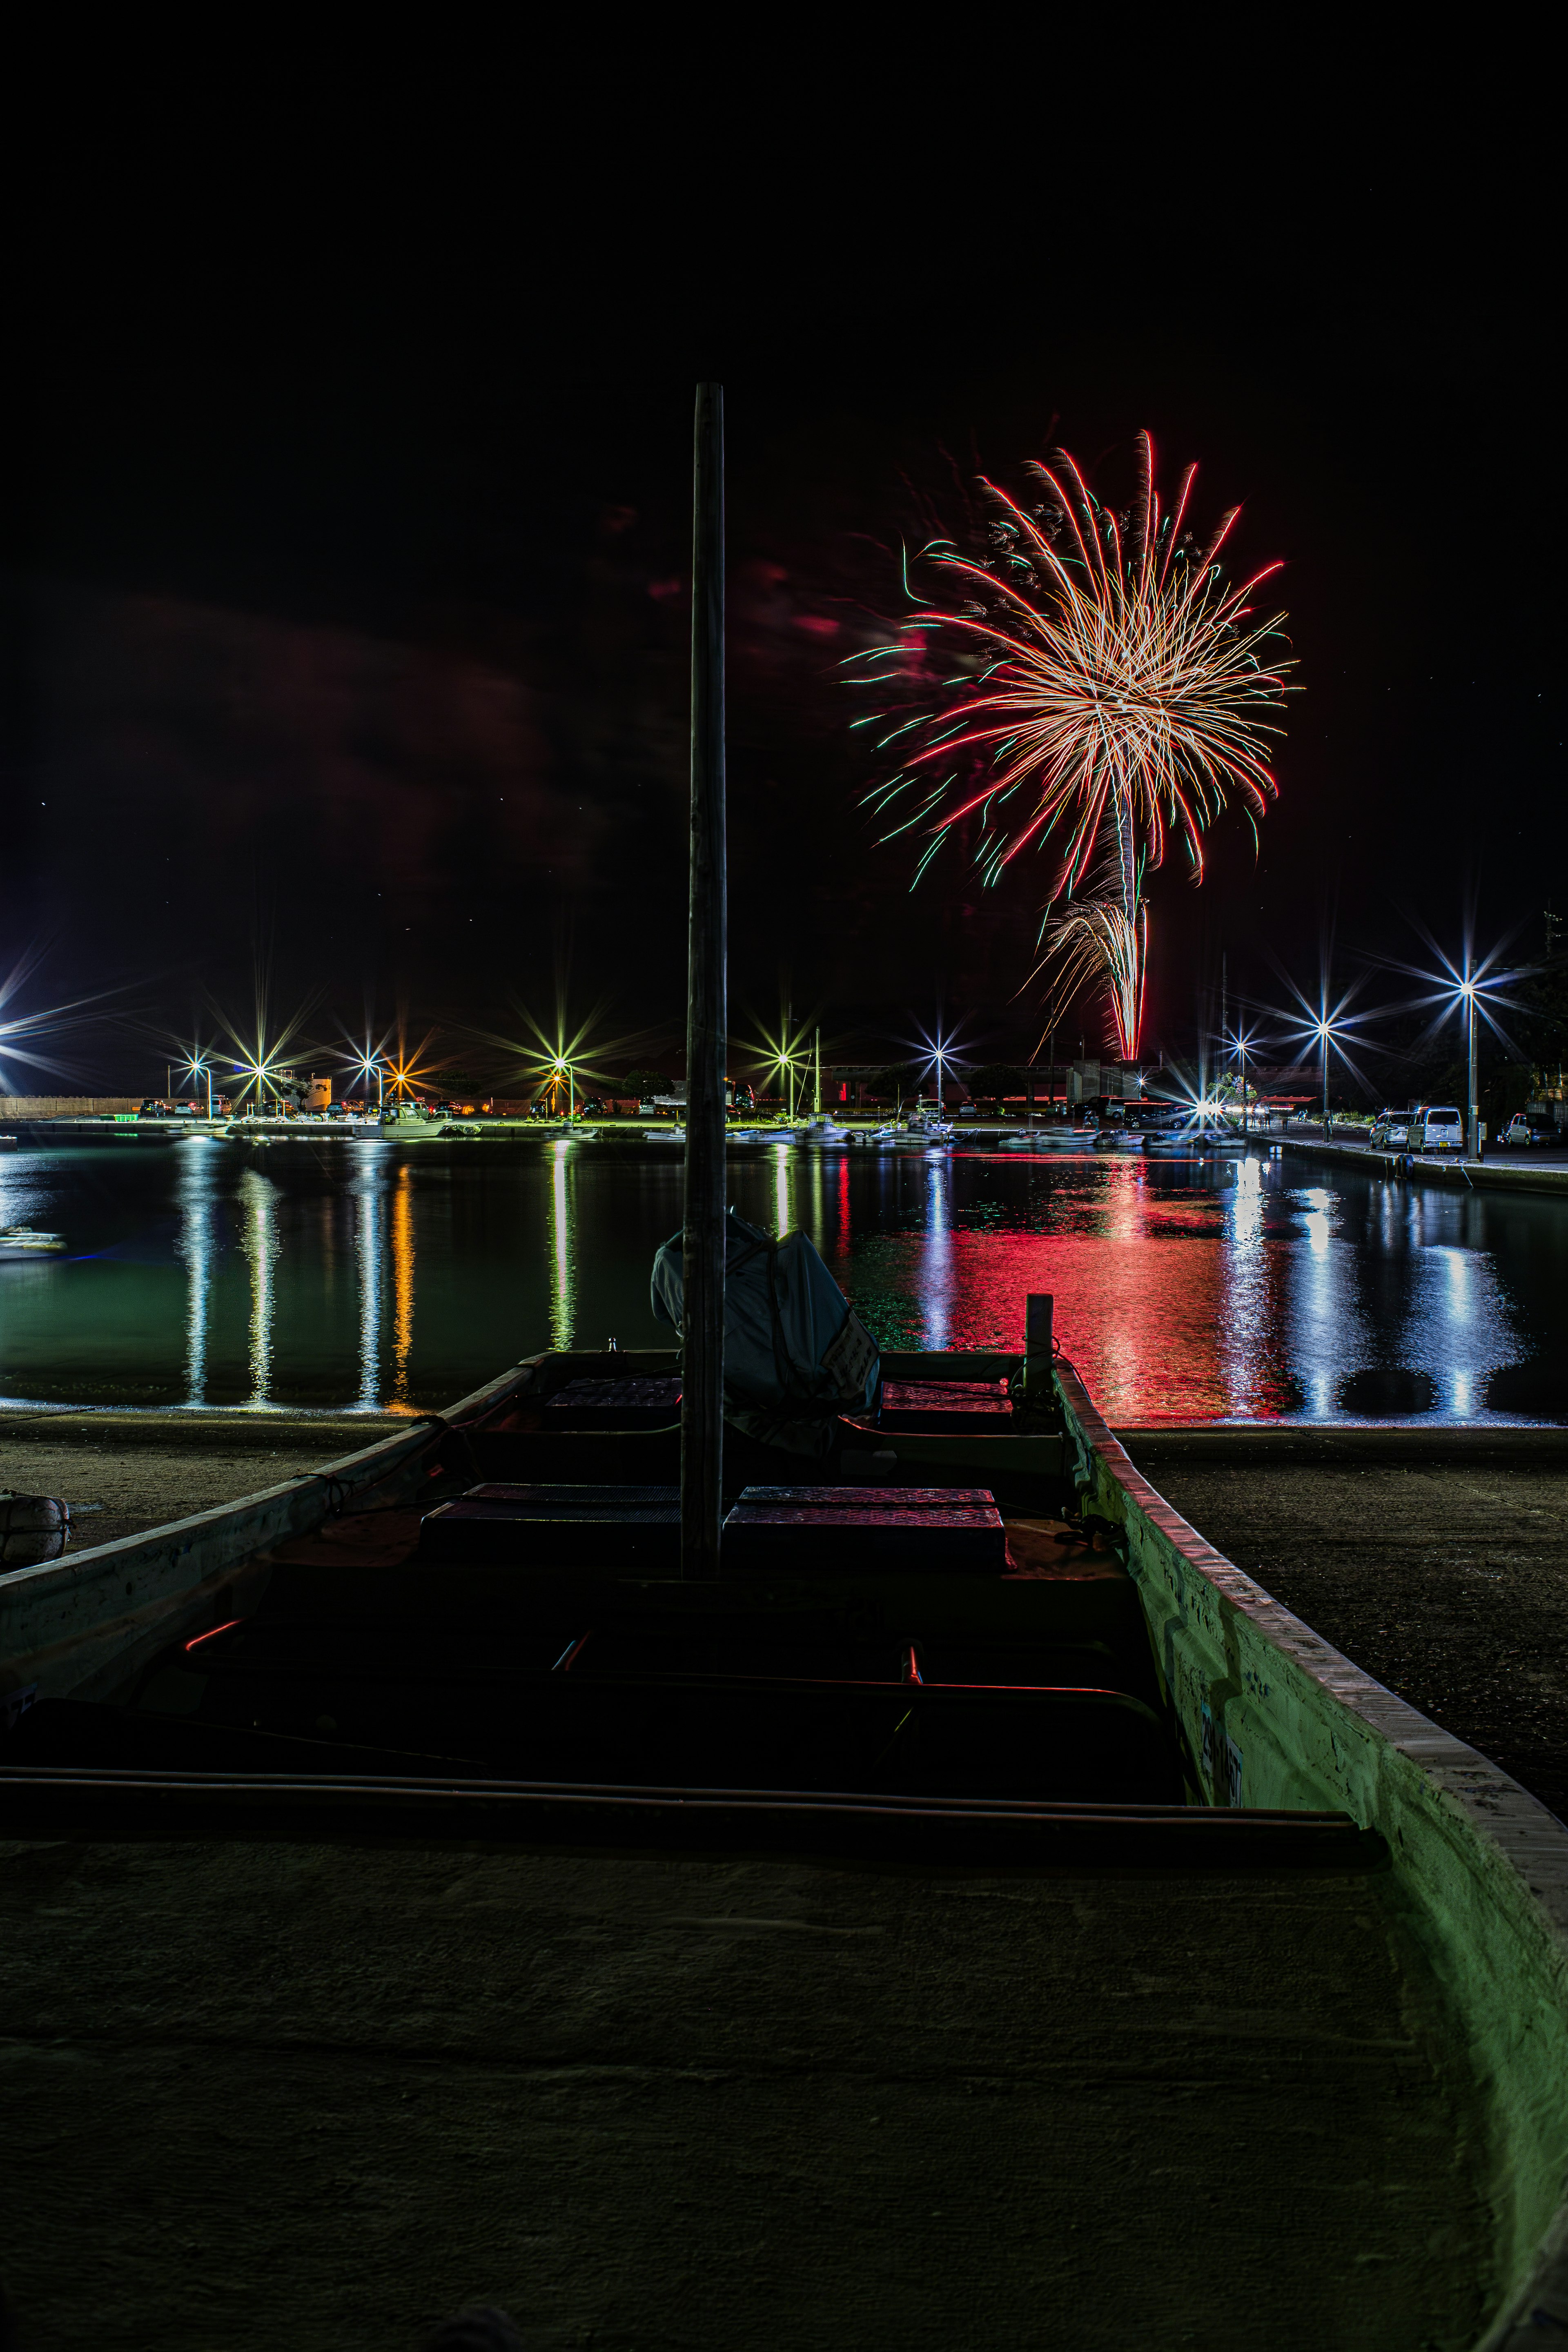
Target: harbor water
343	1272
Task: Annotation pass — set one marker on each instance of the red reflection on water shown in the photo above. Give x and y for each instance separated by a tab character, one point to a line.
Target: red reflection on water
1171	1307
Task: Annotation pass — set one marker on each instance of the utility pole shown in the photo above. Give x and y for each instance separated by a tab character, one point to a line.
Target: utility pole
1474	1122
706	1016
816	1073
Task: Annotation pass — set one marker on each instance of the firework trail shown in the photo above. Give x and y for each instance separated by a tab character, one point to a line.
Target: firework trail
1111	688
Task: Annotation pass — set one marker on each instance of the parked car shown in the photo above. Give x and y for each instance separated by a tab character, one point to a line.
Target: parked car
1520	1133
1391	1131
1441	1129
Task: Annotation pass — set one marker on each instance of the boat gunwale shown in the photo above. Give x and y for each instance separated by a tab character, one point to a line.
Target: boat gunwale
1483	1864
181	1568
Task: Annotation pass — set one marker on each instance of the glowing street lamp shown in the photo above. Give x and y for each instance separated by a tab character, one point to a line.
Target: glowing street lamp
1242	1040
1473	1120
940	1056
196	1065
261	1071
1472	988
371	1065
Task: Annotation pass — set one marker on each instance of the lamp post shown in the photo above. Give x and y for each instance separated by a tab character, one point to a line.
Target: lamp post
196	1065
1323	1041
1473	1124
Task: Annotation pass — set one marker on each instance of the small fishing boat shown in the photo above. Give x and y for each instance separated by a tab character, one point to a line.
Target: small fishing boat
824	1130
22	1242
972	1648
1196	1141
1063	1138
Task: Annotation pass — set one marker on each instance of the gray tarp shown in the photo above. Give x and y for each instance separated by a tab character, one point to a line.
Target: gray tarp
795	1353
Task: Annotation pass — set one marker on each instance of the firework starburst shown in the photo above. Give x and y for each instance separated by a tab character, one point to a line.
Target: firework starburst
1112	687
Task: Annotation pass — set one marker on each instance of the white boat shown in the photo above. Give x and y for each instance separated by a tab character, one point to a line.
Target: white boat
1197	1142
825	1130
22	1242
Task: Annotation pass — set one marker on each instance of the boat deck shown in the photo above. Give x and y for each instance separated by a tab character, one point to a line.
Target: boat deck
318	2095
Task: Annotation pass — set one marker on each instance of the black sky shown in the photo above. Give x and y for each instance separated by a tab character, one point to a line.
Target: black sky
345	595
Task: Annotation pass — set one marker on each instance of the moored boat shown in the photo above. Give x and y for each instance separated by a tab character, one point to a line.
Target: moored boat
23	1242
970	1638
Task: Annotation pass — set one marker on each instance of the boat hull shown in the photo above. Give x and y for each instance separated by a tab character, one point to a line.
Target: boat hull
1289	1751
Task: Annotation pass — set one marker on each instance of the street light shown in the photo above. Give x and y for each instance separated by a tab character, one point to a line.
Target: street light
195	1066
1475	985
371	1065
1472	1122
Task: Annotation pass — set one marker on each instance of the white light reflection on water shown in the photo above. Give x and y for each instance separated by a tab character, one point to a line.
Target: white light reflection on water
780	1193
370	1248
258	1199
938	1252
1327	1339
1246	1316
563	1308
818	1200
197	1189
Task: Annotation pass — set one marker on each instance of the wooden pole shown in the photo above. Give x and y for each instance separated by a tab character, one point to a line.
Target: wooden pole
706	1016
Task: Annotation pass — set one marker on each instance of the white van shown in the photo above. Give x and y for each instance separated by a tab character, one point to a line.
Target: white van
1442	1129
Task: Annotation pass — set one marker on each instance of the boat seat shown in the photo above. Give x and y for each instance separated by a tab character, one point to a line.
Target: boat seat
568	1525
872	1530
645	1401
716	1729
952	1407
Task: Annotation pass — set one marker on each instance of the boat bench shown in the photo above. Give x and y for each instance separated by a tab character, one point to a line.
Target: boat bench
938	1739
953	1408
821	1529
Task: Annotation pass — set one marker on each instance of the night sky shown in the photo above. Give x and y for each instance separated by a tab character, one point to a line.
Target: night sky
346	612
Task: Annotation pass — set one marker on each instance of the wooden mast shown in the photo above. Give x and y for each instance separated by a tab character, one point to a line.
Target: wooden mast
706	1016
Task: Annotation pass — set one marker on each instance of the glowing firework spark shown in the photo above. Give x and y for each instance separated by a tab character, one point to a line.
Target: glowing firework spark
1112	689
1098	938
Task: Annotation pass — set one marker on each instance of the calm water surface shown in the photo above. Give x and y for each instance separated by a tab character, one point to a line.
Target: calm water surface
333	1273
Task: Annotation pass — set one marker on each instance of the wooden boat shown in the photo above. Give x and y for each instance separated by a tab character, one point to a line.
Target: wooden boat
1156	1842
